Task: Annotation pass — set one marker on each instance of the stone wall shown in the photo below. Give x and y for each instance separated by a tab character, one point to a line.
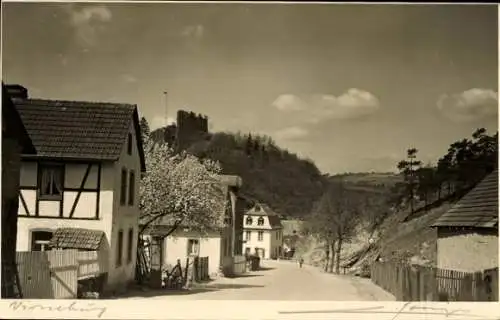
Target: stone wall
190	128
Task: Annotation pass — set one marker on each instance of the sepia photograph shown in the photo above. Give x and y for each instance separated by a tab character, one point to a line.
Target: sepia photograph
182	151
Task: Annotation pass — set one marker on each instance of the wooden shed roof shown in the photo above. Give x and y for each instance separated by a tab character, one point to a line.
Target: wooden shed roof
77	238
478	208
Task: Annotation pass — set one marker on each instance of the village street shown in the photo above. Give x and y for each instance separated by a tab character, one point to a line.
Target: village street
280	280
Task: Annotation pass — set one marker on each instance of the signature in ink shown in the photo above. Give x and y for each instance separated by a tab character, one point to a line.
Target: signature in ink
71	307
407	308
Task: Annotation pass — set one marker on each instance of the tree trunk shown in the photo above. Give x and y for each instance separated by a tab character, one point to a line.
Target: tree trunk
332	258
337	259
327	259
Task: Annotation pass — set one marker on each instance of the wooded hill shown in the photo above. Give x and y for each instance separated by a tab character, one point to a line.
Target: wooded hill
272	175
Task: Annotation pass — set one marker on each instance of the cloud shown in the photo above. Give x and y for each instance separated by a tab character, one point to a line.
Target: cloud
193	31
291	133
129	78
470	105
352	104
160	121
88	21
289	102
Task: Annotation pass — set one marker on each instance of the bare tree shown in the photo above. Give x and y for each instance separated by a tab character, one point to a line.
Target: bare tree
334	219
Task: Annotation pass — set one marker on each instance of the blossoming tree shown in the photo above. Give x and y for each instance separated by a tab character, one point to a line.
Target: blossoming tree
180	189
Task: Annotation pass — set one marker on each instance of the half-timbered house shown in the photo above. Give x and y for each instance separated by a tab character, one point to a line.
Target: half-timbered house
85	175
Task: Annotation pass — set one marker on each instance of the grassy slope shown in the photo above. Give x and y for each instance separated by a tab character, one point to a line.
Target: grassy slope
395	238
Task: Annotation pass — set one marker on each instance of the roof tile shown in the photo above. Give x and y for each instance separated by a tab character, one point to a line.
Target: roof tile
76	129
478	208
77	238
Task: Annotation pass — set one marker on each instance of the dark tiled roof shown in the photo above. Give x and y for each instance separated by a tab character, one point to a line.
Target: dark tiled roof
78	129
275	222
478	208
12	124
264	210
76	238
260	209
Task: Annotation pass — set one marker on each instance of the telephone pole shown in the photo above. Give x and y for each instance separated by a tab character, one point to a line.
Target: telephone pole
165	131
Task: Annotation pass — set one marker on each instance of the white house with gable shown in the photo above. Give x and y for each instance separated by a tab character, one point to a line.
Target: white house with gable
263	232
84	177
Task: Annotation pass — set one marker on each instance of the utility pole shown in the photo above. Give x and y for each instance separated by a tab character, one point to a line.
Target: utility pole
165	132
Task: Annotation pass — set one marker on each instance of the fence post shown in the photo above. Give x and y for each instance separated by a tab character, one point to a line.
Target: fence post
432	294
423	280
478	289
415	282
466	292
401	296
407	283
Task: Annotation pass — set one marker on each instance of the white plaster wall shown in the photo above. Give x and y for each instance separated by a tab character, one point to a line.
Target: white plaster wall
469	252
210	246
255	219
86	205
74	174
276	241
254	242
124	216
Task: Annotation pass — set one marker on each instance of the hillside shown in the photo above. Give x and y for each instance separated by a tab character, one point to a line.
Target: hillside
272	175
399	235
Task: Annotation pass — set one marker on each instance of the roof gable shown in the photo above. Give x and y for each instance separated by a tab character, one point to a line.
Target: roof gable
478	208
264	210
79	129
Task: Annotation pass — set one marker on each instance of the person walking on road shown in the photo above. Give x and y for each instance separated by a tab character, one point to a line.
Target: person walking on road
301	261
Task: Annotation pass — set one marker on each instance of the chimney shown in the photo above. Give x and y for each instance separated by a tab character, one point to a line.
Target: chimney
17	91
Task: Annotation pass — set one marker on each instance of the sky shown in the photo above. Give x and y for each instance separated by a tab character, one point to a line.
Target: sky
350	87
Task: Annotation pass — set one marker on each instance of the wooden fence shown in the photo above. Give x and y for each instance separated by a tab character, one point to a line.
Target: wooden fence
54	274
234	265
91	263
419	283
200	268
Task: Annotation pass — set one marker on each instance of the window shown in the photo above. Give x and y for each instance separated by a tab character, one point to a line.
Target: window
247	251
261	236
193	247
130	244
129	144
123	191
40	240
248	235
119	248
260	222
51	182
277	235
249	221
131	188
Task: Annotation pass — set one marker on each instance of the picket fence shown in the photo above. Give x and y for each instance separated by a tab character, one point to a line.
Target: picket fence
54	274
420	283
